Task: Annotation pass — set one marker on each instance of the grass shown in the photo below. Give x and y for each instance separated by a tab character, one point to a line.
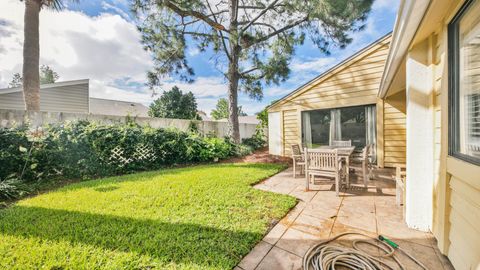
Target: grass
201	217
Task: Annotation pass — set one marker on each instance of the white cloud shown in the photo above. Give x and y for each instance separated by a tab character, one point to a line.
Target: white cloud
312	65
115	9
391	5
193	51
105	49
77	46
202	87
277	91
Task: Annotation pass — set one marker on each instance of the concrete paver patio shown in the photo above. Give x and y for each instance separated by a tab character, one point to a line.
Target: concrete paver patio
320	215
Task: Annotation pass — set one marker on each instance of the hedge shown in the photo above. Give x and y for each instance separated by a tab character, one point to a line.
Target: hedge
83	149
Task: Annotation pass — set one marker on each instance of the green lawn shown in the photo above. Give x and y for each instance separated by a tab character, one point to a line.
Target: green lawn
201	217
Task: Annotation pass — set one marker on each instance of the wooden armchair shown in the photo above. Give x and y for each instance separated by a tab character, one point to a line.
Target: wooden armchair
364	159
324	162
298	159
400	177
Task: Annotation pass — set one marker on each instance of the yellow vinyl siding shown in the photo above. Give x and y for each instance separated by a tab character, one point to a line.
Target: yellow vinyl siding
352	83
457	207
291	132
456	187
464	184
394	132
464	219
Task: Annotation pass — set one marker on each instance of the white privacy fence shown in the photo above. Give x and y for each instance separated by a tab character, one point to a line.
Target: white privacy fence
10	118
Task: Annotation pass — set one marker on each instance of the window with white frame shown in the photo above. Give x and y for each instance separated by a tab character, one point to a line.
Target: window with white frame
464	83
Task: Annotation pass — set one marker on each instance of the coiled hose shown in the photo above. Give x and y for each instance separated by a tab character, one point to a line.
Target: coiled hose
327	256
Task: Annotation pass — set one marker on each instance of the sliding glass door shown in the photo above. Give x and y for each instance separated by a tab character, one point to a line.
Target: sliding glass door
358	124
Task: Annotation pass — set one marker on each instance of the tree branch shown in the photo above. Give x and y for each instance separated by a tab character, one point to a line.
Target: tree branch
251	7
220	32
201	34
198	20
249	70
192	13
271	5
279	31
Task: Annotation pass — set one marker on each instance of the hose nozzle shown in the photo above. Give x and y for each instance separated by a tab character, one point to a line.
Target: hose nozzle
388	241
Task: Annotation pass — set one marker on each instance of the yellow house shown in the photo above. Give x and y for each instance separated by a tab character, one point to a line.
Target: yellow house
434	63
308	115
424	83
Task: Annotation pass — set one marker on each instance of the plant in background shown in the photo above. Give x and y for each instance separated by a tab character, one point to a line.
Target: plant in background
174	104
257	141
12	188
221	110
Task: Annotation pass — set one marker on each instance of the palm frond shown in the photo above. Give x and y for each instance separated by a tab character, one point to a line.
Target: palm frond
56	4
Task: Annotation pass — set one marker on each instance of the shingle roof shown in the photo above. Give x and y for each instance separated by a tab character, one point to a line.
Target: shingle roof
117	107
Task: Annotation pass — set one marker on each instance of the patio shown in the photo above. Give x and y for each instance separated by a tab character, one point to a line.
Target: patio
320	215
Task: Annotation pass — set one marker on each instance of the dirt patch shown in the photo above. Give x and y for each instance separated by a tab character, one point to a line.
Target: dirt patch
259	156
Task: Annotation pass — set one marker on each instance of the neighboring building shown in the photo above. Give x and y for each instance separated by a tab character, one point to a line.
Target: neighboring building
342	104
249	119
69	96
72	97
426	93
117	107
204	116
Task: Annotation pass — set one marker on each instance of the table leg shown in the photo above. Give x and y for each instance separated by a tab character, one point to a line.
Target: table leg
347	161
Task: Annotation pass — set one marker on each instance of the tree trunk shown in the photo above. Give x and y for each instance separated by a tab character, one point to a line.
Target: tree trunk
233	78
31	55
233	75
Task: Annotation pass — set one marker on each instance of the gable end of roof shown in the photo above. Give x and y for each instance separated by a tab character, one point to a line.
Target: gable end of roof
335	69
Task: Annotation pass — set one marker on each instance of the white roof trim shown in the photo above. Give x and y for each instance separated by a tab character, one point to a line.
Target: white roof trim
410	15
45	86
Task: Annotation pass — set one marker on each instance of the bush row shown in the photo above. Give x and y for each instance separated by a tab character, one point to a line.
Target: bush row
85	149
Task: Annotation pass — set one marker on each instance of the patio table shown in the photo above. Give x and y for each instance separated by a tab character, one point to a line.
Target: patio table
343	152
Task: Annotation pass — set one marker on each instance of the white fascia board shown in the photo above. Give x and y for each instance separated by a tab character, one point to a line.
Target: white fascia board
409	17
46	86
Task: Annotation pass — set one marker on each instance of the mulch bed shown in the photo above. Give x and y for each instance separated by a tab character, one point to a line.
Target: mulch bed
259	156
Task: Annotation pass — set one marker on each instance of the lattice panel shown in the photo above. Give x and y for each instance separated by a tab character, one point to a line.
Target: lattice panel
117	156
142	152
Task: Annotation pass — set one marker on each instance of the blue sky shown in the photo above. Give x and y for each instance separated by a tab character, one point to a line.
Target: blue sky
98	40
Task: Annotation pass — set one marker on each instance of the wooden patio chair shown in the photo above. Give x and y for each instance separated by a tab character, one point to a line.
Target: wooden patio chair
400	176
298	159
364	159
324	162
342	143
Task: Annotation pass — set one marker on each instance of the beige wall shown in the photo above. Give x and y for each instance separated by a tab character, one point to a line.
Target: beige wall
10	118
352	83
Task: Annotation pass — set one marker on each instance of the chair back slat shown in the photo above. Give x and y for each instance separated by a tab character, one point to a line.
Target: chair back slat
366	152
296	150
322	159
342	143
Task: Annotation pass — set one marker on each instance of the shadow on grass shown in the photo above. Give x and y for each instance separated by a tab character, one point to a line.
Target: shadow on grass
167	242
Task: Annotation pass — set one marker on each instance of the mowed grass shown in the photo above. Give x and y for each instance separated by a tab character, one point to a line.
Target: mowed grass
201	217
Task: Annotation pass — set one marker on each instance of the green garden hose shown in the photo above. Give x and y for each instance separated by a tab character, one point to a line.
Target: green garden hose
327	255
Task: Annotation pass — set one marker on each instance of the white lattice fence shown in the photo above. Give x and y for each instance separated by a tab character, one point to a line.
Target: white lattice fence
142	152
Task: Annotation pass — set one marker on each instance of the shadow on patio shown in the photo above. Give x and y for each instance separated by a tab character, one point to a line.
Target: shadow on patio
320	215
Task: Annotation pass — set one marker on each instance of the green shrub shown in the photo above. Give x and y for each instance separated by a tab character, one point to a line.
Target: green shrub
257	140
84	149
13	188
